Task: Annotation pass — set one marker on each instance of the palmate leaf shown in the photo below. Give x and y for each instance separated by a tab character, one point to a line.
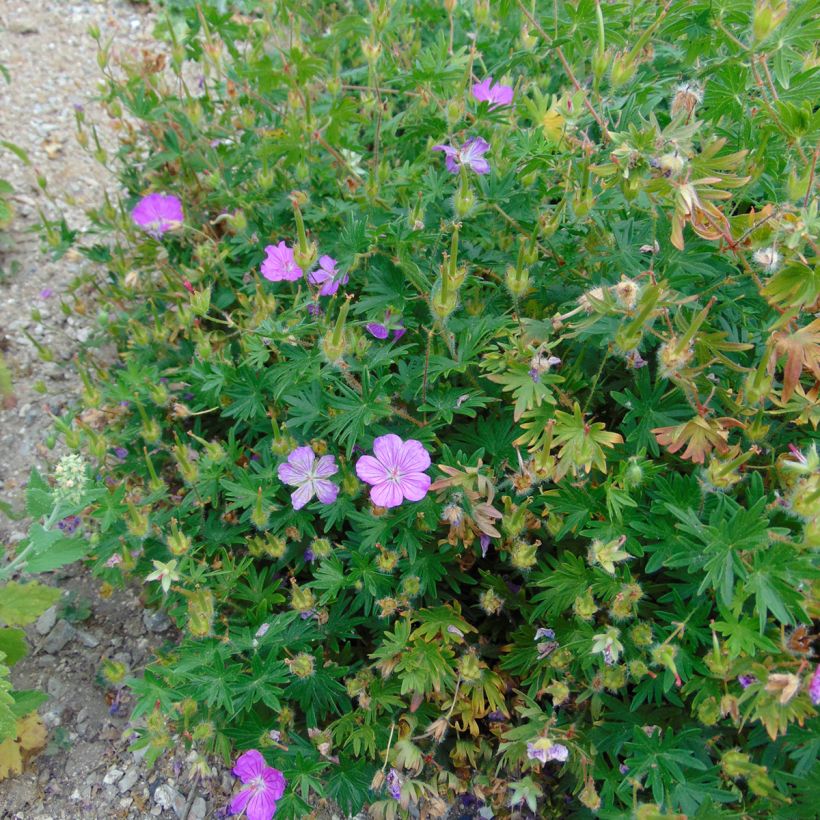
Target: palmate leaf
648	406
527	392
699	435
581	443
349	784
564	581
661	759
802	352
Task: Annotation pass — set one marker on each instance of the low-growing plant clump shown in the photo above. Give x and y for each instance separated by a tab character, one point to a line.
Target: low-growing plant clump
465	402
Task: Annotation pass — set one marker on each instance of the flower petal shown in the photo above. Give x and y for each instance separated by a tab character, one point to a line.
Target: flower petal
388	450
326	491
262	806
240	801
414	458
289	474
302	458
377	330
480	166
370	470
448	150
274	782
325	466
386	494
249	765
301	496
414	486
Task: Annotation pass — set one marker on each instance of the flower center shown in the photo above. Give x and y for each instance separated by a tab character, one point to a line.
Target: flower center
395	475
258	784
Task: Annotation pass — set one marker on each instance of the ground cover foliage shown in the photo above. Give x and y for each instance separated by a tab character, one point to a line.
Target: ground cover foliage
580	295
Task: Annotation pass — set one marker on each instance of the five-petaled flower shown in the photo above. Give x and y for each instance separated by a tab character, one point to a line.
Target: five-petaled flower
166	574
264	786
327	276
470	155
544	750
396	471
497	95
158	213
280	265
310	475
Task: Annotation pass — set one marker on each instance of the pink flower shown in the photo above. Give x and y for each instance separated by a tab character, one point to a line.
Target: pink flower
327	276
814	686
396	471
279	264
471	155
265	785
310	475
497	95
158	213
382	331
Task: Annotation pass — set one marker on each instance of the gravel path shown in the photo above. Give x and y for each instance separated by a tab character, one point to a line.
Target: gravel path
87	770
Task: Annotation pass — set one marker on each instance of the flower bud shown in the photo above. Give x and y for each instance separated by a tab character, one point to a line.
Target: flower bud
464	201
321	548
411	586
200	612
178	542
387	560
584	606
260	514
136	520
559	692
517	281
443	300
490	602
709	711
614	677
302	665
302	600
600	63
523	555
334	342
623	69
768	15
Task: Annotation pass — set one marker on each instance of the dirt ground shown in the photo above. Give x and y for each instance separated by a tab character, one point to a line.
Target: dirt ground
86	770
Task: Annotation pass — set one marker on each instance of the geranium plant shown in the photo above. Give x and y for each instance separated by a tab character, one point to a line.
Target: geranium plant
464	407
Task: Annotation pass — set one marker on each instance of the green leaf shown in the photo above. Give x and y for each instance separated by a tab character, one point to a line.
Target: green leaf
61	552
13	644
39	498
27	700
17	150
349	784
20	604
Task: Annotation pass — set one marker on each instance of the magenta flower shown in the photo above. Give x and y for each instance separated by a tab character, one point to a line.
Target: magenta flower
396	471
382	330
265	785
814	686
279	264
327	276
470	155
310	475
158	213
497	95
